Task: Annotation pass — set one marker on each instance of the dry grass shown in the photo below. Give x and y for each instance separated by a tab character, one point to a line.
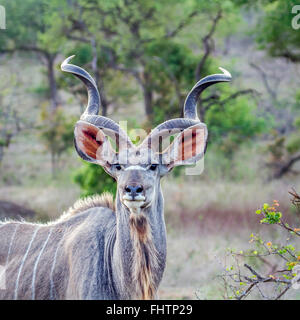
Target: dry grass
48	202
195	262
212	206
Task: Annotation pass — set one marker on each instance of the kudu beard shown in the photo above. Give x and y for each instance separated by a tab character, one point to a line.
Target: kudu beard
145	256
157	146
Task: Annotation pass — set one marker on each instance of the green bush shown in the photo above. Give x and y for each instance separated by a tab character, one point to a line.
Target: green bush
56	133
93	179
268	270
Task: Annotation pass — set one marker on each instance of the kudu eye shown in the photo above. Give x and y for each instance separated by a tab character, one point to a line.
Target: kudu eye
118	167
153	167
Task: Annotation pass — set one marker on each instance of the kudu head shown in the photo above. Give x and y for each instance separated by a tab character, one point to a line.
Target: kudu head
138	168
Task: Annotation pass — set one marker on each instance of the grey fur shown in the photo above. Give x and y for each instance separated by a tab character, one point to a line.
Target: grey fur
92	252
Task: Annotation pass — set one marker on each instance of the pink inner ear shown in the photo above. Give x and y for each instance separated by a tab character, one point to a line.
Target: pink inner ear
191	143
86	138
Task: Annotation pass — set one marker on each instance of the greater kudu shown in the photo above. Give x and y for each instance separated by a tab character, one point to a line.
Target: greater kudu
98	249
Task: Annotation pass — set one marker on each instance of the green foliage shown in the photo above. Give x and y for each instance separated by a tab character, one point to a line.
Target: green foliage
271	216
284	147
293	144
56	132
172	68
41	91
276	147
135	37
297	122
26	24
233	123
93	179
156	44
280	258
274	31
175	59
83	53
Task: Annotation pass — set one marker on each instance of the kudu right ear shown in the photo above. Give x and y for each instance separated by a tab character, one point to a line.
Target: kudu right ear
92	144
187	148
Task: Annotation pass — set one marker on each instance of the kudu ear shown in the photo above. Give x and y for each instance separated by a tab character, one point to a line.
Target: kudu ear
92	144
187	148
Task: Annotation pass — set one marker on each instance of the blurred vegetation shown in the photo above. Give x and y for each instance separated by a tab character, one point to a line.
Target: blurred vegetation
145	56
56	132
154	52
92	178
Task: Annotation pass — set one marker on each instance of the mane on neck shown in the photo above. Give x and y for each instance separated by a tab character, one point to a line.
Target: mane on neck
145	257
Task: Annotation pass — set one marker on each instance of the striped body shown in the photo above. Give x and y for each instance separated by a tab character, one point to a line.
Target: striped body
63	260
91	252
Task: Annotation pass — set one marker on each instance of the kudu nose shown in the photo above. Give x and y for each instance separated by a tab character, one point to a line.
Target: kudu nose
134	190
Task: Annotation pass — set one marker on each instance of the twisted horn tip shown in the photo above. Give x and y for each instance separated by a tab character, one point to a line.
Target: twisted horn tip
66	61
226	73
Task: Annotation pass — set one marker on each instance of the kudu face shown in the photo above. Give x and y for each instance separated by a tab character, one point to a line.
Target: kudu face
138	168
137	184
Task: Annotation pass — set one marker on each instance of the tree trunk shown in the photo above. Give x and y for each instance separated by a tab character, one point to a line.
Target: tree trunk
202	110
99	82
104	102
286	167
53	165
1	154
144	82
148	98
54	100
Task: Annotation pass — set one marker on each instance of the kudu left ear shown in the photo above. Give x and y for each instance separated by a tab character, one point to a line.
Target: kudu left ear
92	144
187	148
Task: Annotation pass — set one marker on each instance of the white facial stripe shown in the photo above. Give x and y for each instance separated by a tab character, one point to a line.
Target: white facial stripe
135	168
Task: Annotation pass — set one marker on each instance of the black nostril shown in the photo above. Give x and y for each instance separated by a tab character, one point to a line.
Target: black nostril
133	190
139	189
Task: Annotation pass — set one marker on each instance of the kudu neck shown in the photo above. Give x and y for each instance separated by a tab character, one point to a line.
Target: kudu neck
140	246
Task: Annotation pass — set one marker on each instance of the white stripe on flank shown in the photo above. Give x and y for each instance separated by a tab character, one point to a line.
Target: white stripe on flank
36	264
10	245
22	263
135	168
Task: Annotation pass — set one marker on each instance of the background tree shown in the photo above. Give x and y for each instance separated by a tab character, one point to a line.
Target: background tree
274	33
137	39
57	133
26	32
11	123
